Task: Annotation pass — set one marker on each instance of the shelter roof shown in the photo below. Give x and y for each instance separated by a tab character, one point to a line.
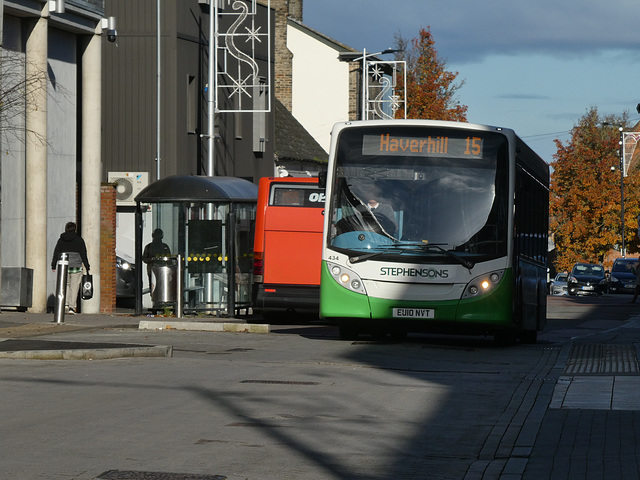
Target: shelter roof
197	188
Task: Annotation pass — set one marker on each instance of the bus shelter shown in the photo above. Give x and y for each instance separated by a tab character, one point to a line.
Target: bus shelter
209	222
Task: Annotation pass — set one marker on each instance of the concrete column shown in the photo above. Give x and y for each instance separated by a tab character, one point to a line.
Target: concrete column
91	161
36	162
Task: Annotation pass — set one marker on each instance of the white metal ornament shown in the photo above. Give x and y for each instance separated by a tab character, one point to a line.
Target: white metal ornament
239	77
383	82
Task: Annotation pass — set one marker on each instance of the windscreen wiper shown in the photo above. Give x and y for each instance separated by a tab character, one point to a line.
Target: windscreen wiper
462	261
427	246
369	256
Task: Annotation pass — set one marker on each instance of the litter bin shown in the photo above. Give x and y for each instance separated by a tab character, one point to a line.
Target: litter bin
164	271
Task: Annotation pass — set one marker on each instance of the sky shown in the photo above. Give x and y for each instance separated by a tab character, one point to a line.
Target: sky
534	66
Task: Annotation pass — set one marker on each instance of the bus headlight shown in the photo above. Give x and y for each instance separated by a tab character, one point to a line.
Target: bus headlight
346	278
483	284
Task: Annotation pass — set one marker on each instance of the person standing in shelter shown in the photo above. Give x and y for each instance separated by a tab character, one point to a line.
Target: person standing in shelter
73	245
155	250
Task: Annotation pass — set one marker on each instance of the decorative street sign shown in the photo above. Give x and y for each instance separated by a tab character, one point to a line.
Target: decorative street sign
628	149
384	90
242	78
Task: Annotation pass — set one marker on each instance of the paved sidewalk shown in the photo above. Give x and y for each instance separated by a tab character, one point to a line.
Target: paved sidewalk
13	318
591	426
19	332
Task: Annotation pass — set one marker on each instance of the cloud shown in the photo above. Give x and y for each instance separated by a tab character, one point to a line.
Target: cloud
543	26
469	30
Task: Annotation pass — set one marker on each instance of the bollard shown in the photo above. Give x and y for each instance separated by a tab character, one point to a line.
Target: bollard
179	294
61	288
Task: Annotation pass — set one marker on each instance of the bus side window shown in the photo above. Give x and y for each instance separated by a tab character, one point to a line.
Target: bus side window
322	179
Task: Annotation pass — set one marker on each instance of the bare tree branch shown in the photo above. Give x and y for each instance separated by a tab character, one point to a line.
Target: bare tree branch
18	93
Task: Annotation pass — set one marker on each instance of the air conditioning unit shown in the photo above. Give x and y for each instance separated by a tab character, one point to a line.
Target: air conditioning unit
128	185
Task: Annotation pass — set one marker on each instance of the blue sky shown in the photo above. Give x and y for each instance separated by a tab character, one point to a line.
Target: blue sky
536	67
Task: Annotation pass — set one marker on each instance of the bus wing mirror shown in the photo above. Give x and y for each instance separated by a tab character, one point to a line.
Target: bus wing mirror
322	179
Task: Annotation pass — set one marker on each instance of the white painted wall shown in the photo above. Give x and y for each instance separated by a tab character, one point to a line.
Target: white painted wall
320	91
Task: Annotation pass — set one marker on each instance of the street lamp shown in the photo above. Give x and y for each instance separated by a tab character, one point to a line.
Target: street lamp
365	75
621	156
362	56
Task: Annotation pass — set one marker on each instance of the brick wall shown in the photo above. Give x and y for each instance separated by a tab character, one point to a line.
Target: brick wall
282	56
107	248
354	90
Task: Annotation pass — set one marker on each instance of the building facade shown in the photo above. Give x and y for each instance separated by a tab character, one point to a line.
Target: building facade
110	93
166	134
50	134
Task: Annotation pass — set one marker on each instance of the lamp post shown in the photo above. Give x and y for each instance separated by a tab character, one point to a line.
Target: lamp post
621	157
365	76
362	56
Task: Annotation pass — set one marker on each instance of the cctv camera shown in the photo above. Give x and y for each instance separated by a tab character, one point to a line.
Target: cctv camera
109	24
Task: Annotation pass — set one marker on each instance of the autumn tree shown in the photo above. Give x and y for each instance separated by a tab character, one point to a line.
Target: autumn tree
430	87
585	201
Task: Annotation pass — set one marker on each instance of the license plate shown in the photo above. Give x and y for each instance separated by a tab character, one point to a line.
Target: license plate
630	285
588	287
413	313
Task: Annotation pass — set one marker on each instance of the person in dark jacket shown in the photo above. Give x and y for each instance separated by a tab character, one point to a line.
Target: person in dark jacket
73	245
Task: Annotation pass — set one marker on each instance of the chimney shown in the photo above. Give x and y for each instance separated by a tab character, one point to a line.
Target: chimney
283	9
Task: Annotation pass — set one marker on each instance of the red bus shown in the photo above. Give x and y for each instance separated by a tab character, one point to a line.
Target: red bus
288	246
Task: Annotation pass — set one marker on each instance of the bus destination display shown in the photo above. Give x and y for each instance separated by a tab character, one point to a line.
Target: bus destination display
298	196
427	146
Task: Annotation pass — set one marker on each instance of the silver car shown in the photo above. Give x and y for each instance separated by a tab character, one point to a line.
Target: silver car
558	285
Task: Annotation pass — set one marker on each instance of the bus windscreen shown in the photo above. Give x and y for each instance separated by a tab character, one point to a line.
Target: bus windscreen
437	187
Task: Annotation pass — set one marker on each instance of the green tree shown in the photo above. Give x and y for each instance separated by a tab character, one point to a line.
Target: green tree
585	193
430	88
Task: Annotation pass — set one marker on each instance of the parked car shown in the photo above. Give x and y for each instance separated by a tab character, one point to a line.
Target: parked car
125	278
623	278
587	279
558	286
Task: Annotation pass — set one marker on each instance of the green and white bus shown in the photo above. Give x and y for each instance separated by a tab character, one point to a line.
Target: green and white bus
434	226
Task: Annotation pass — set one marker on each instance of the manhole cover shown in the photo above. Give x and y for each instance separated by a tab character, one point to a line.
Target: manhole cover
602	360
134	475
